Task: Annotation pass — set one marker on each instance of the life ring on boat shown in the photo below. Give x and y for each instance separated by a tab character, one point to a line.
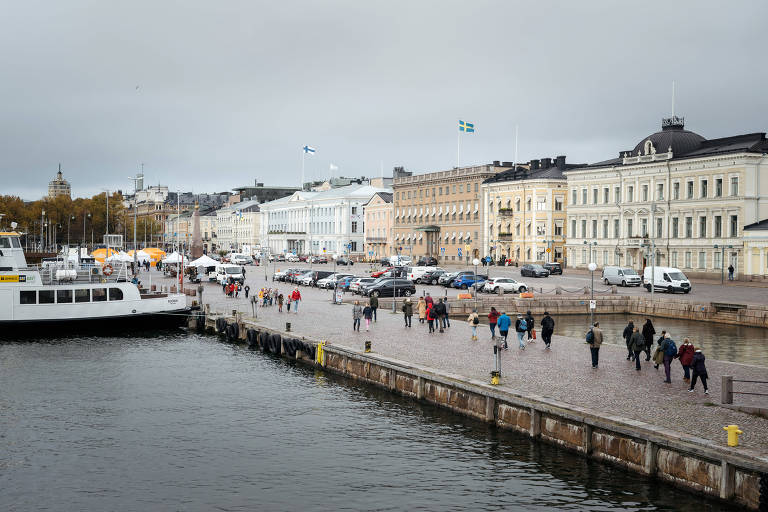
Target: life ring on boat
107	270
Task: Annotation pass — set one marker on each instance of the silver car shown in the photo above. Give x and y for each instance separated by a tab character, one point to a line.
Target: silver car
356	284
505	284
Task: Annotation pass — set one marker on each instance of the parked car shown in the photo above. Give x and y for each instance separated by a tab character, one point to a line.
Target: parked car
380	272
506	284
623	276
294	274
384	262
415	274
318	275
533	270
427	261
447	279
389	287
400	260
330	281
357	283
464	281
344	261
318	259
554	268
279	275
668	279
305	278
432	276
291	257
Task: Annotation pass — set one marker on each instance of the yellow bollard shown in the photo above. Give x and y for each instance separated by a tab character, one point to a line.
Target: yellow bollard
367	346
733	434
495	377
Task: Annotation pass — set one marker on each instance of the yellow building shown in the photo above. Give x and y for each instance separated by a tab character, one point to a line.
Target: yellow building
437	214
377	215
525	212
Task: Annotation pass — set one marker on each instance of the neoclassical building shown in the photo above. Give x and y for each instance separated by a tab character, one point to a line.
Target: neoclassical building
524	209
378	213
675	194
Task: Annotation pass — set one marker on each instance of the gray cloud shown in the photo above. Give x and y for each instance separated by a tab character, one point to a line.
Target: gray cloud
229	91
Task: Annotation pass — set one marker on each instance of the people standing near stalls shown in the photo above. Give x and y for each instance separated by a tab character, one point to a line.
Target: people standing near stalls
493	317
685	354
648	332
699	371
547	328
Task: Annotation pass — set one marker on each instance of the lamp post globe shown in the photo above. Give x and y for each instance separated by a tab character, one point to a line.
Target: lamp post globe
592	266
475	262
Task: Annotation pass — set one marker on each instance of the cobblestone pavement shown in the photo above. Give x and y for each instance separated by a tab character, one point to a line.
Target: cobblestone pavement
563	373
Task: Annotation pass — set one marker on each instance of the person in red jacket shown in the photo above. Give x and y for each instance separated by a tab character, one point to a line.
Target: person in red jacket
296	298
685	353
492	317
431	317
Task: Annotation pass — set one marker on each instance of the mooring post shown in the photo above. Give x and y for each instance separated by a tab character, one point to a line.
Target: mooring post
490	409
727	480
587	440
535	422
726	390
651	452
420	388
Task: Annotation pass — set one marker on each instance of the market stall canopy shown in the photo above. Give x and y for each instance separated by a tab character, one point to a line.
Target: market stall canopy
101	254
141	256
155	254
203	261
172	258
121	256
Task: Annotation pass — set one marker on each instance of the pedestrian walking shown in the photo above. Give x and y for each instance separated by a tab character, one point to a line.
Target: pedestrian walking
288	304
237	289
685	354
529	326
224	287
296	298
373	302
422	308
280	299
473	320
357	314
547	328
648	332
636	345
504	323
670	352
247	290
594	346
699	371
627	335
447	314
368	315
407	310
493	317
428	300
658	355
439	310
431	318
521	328
730	278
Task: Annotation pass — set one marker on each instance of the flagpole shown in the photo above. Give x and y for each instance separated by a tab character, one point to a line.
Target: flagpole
458	148
303	154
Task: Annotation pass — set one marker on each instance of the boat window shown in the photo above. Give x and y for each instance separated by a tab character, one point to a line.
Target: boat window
27	297
15	242
82	295
45	297
5	242
63	296
99	294
115	294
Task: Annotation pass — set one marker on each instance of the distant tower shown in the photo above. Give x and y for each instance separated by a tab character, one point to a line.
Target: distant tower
197	240
59	186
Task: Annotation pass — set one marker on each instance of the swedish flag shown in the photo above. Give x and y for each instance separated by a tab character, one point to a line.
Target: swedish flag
466	127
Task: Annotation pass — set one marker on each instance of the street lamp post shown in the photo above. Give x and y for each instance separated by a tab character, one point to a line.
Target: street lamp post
42	223
475	262
592	266
722	260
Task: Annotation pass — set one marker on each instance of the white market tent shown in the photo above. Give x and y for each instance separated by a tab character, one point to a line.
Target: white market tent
121	256
172	258
203	261
141	256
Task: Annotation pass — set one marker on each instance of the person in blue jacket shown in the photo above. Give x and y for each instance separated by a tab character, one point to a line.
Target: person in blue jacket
503	324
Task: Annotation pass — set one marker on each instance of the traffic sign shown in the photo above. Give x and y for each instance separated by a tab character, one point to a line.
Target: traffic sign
459	249
549	249
467	248
442	251
593	304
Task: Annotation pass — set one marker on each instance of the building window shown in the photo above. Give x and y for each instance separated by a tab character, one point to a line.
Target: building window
606	195
475	188
718	224
734	226
629	228
659	191
689	190
674	258
616	228
688	259
617	194
583	229
605	228
716	259
594	228
702	227
630	193
689	227
674	227
454	189
594	196
461	189
558	204
354	246
719	187
440	190
354	226
734	185
583	196
584	256
574	197
573	228
702	259
704	188
558	230
659	228
644	227
645	192
676	190
354	208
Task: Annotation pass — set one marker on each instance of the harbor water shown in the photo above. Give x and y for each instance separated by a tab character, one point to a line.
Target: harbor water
178	421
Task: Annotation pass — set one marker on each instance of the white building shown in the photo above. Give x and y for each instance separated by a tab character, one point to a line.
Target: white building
329	222
238	227
676	194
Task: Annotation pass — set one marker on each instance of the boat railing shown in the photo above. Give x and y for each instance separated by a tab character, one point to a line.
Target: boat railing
68	274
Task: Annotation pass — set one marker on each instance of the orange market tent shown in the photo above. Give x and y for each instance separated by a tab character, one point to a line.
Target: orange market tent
155	254
101	254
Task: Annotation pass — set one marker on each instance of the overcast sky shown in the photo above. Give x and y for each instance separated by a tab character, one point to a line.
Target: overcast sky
212	95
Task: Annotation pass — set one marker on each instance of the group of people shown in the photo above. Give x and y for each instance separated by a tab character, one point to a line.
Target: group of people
640	340
525	327
232	288
369	312
435	314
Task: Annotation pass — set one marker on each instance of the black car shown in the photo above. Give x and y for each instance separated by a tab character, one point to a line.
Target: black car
533	270
344	261
449	282
428	261
388	287
554	268
318	275
432	276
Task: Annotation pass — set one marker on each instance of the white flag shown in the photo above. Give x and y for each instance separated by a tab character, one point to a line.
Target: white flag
334	167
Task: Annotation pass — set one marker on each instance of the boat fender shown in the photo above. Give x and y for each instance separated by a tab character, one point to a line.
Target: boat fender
233	333
274	343
221	325
251	335
264	341
200	322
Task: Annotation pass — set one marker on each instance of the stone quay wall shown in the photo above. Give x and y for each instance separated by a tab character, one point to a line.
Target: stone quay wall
684	461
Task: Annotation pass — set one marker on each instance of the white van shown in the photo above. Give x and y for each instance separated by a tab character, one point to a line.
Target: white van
414	274
227	270
667	279
240	259
623	276
400	260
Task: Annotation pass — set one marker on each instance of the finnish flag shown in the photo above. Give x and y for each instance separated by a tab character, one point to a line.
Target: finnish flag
309	150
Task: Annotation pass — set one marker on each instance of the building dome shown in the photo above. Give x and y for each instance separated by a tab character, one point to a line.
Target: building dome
672	135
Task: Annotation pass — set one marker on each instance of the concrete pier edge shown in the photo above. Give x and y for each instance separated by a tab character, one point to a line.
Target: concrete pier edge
689	462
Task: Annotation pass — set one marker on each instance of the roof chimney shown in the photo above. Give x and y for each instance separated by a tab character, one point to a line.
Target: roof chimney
507	164
560	162
496	163
534	165
546	163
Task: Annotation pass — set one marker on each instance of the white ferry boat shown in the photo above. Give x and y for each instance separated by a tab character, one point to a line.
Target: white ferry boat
76	296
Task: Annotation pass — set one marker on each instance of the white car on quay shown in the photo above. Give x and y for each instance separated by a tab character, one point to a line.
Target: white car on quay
506	284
